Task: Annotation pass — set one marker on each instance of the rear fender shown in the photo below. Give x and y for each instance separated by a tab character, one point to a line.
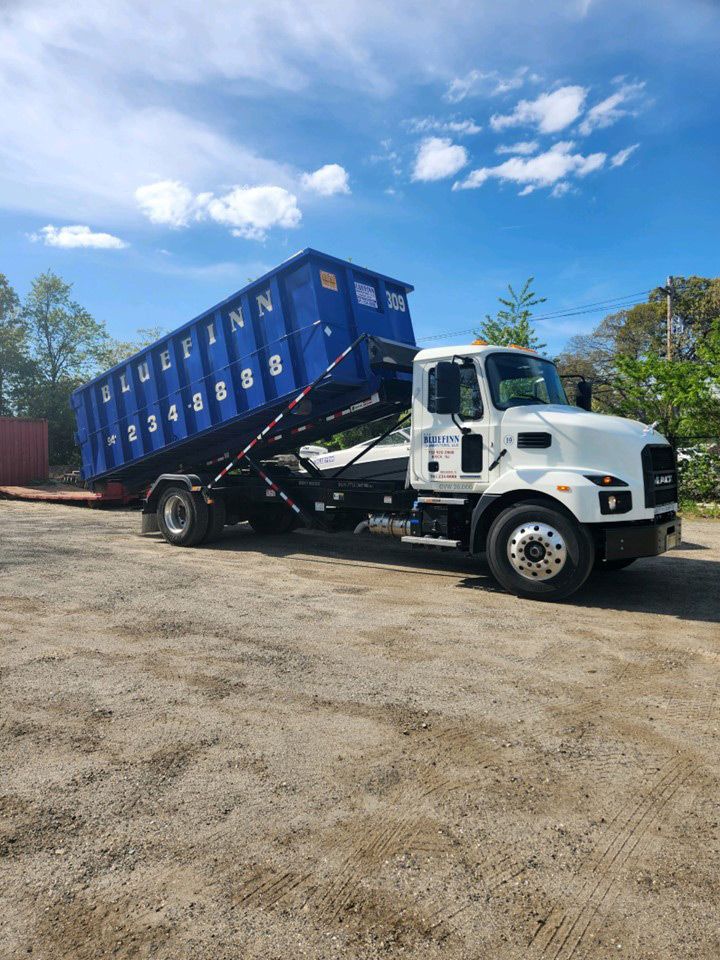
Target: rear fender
189	480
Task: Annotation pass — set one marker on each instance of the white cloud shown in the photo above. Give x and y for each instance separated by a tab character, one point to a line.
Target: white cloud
613	108
488	83
249	211
434	125
389	157
523	148
77	236
98	98
544	170
168	202
437	158
622	156
513	82
549	112
252	211
560	189
461	87
328	180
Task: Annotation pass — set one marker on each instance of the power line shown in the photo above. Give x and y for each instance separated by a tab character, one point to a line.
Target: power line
598	306
597	303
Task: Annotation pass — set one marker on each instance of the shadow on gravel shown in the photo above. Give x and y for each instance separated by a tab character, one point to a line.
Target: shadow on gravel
310	546
671	585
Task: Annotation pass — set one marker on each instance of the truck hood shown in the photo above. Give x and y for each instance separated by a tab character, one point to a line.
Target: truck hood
588	441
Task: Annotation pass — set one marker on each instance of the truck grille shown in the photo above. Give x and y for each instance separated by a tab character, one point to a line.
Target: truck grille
660	475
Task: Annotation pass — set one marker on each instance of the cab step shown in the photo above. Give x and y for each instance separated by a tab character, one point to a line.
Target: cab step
438	543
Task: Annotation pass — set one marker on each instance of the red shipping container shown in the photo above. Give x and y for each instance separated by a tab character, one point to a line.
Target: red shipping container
23	450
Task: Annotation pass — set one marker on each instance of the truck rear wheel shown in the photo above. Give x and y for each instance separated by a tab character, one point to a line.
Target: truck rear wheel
183	518
273	520
538	553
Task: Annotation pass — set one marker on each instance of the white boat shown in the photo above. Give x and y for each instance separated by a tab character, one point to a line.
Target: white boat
387	460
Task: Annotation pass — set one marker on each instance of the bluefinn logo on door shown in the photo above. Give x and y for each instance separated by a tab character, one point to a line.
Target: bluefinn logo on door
441	439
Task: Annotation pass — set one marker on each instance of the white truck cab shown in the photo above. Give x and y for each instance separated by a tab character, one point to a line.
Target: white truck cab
554	487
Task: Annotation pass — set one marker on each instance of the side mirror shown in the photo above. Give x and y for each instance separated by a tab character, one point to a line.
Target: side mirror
583	395
446	397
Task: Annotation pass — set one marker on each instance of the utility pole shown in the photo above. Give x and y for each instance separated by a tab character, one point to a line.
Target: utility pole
669	290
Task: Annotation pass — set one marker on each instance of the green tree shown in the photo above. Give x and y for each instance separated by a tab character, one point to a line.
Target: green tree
635	333
678	395
66	346
625	356
512	323
67	343
696	309
13	347
118	350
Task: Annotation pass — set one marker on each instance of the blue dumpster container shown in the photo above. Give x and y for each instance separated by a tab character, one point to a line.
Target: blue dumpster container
218	379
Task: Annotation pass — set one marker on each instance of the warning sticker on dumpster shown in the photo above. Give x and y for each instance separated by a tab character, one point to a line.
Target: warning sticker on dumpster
328	280
365	294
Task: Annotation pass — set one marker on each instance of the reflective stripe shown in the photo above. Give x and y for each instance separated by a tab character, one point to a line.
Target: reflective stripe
292	403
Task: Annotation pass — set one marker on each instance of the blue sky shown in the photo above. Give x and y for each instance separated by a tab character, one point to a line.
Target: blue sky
159	158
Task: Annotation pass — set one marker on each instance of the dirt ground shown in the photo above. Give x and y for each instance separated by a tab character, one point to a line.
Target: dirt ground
327	747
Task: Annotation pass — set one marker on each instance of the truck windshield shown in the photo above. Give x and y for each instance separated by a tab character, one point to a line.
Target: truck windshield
519	379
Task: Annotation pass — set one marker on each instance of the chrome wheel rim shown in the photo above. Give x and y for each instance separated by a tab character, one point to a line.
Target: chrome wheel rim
536	551
175	514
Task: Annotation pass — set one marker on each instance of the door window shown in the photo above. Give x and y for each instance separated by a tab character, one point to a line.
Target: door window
471	405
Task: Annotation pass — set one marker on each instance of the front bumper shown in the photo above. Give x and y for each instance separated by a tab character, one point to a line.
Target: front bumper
640	540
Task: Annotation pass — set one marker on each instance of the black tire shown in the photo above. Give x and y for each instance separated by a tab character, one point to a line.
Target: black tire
273	520
607	566
216	523
183	517
559	540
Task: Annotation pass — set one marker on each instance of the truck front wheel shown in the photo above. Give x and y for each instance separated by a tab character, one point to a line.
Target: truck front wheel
182	517
539	553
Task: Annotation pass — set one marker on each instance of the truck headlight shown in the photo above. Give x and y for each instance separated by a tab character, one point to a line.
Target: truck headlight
620	501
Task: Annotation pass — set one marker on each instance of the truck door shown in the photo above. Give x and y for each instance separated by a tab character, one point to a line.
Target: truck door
452	451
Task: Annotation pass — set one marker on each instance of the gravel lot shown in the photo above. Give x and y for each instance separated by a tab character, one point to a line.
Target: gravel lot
324	747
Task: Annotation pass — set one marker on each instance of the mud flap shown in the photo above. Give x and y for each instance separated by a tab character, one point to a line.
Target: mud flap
149	523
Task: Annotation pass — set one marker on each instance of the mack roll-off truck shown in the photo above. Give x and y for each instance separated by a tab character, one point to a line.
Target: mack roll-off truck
501	464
